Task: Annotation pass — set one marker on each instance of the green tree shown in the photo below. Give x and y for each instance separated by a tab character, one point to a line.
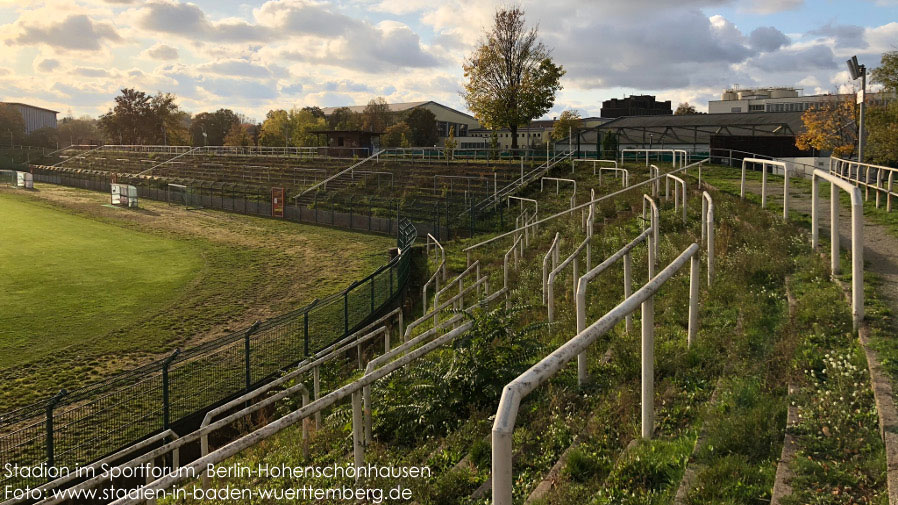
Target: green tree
343	118
12	125
302	123
377	116
316	111
887	73
566	124
84	130
215	125
511	79
275	130
140	118
239	135
609	144
882	120
685	109
423	126
43	137
392	136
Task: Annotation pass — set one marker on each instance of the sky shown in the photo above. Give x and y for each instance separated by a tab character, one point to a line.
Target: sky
74	56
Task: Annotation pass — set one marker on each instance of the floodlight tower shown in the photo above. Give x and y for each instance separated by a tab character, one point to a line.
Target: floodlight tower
856	71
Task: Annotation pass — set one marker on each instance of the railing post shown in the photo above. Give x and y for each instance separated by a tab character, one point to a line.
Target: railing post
51	404
694	267
648	368
628	284
166	401
834	229
358	435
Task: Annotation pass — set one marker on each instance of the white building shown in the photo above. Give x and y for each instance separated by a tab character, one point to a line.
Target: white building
35	117
777	99
447	118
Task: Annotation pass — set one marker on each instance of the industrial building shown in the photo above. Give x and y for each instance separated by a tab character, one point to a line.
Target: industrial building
635	105
780	99
35	117
771	134
447	118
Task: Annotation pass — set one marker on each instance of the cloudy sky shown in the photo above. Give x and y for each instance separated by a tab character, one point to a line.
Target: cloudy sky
74	55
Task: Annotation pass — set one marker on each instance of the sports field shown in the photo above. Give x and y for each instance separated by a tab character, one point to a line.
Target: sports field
88	290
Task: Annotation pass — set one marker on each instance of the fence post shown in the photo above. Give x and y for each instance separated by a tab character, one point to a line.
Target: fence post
252	329
51	404
166	402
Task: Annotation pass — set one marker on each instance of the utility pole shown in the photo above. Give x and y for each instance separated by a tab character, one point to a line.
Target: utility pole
856	70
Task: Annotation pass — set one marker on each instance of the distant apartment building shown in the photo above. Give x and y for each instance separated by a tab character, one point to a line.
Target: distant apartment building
780	99
635	105
35	117
447	118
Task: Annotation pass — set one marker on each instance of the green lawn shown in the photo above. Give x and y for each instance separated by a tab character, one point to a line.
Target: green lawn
68	280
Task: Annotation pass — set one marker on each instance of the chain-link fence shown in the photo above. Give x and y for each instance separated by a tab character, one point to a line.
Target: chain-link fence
74	428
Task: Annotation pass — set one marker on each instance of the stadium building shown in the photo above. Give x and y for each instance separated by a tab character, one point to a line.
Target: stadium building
35	117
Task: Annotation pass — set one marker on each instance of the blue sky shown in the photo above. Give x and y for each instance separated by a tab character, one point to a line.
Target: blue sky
74	55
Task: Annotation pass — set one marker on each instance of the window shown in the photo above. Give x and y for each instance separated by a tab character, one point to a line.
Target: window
736	109
756	108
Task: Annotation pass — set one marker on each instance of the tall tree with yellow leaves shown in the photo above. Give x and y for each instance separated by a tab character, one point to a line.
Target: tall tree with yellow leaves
830	127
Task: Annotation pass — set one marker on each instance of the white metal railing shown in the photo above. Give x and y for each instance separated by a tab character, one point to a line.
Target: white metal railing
551	255
524	384
675	154
441	268
338	174
578	207
655	173
857	236
843	169
595	164
708	231
682	183
764	164
185	153
625	180
572	260
558	181
353	389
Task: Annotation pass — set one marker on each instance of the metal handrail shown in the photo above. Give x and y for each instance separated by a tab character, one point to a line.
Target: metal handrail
515	391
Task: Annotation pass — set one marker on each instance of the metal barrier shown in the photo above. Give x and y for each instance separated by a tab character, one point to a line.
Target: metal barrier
857	236
843	169
524	384
708	231
764	164
682	183
625	181
435	278
682	154
558	182
595	164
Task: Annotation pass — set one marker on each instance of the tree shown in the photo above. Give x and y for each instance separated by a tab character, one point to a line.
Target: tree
239	135
423	126
343	118
84	130
609	144
43	137
392	136
377	116
887	73
139	118
302	124
566	124
511	79
215	125
316	111
882	120
12	125
685	109
451	144
275	130
831	127
882	134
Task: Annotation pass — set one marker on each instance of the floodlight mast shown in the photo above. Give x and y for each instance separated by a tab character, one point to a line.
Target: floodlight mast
856	70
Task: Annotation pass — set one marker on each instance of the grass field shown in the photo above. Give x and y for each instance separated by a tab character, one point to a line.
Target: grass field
90	290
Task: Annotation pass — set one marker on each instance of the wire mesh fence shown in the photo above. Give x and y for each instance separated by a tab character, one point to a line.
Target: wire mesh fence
74	428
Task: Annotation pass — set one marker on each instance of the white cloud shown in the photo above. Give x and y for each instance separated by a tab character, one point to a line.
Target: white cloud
76	32
162	52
